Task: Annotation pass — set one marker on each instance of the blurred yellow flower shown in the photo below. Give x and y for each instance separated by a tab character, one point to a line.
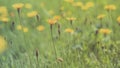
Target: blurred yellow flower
4	19
19	27
71	18
56	17
40	28
32	14
28	6
52	21
18	5
3	44
105	31
90	4
69	30
84	7
25	29
77	4
3	11
100	16
110	7
118	19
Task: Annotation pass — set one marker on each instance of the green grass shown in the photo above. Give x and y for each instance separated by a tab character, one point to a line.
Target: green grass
83	49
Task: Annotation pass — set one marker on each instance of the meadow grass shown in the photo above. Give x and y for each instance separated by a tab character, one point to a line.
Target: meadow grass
77	38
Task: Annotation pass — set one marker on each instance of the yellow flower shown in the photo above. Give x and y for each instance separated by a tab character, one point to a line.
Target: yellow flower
40	28
4	19
71	18
89	4
52	21
110	7
105	31
56	18
3	11
28	6
118	19
32	14
69	30
19	27
84	8
100	16
25	29
78	4
3	44
18	5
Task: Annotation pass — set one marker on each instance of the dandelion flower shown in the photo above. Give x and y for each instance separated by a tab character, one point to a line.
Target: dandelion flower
110	7
52	21
105	31
118	19
19	27
71	18
78	4
56	18
40	28
2	44
25	29
4	19
100	16
32	14
69	30
28	6
18	5
89	4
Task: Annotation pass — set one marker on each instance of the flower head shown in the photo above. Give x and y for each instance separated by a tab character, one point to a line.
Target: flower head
100	16
40	28
18	5
56	18
3	44
77	4
28	6
105	31
32	14
71	18
19	27
69	30
118	19
4	19
52	21
110	7
25	29
89	4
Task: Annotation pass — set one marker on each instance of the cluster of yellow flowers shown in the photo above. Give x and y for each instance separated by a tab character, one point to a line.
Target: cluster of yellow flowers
53	20
20	27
